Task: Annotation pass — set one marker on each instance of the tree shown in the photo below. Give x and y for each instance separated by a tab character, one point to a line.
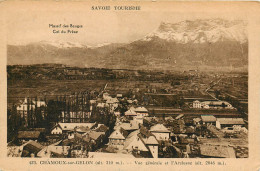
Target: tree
53	112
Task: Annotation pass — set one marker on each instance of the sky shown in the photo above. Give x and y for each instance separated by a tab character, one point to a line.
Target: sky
29	24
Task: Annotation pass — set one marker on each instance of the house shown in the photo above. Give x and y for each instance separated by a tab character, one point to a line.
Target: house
216	151
196	121
79	130
119	95
106	96
80	144
82	129
130	112
141	111
112	100
57	129
117	138
160	132
31	148
129	127
142	142
196	104
211	105
150	141
208	119
61	128
134	142
101	128
29	135
229	122
54	150
97	137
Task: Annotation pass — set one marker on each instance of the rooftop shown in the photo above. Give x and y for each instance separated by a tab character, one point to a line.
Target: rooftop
119	134
141	109
159	128
133	125
130	112
235	121
208	118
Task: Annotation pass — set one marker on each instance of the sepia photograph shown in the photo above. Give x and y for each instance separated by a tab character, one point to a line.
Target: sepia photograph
126	82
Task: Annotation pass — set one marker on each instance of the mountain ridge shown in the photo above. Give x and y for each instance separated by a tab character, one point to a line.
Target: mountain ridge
187	43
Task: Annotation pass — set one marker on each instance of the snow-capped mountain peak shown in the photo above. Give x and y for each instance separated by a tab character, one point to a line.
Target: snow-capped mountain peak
200	31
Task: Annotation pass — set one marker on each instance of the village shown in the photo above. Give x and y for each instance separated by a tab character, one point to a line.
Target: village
133	124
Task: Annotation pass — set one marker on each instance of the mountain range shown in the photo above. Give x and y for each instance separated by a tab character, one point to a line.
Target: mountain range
212	43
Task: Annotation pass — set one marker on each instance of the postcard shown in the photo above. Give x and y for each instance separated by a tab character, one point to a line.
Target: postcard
110	85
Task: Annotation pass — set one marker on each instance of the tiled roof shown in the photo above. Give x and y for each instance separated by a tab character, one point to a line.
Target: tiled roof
82	129
95	135
141	109
33	147
118	134
130	112
150	140
102	128
159	128
134	141
112	100
133	125
235	121
208	118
